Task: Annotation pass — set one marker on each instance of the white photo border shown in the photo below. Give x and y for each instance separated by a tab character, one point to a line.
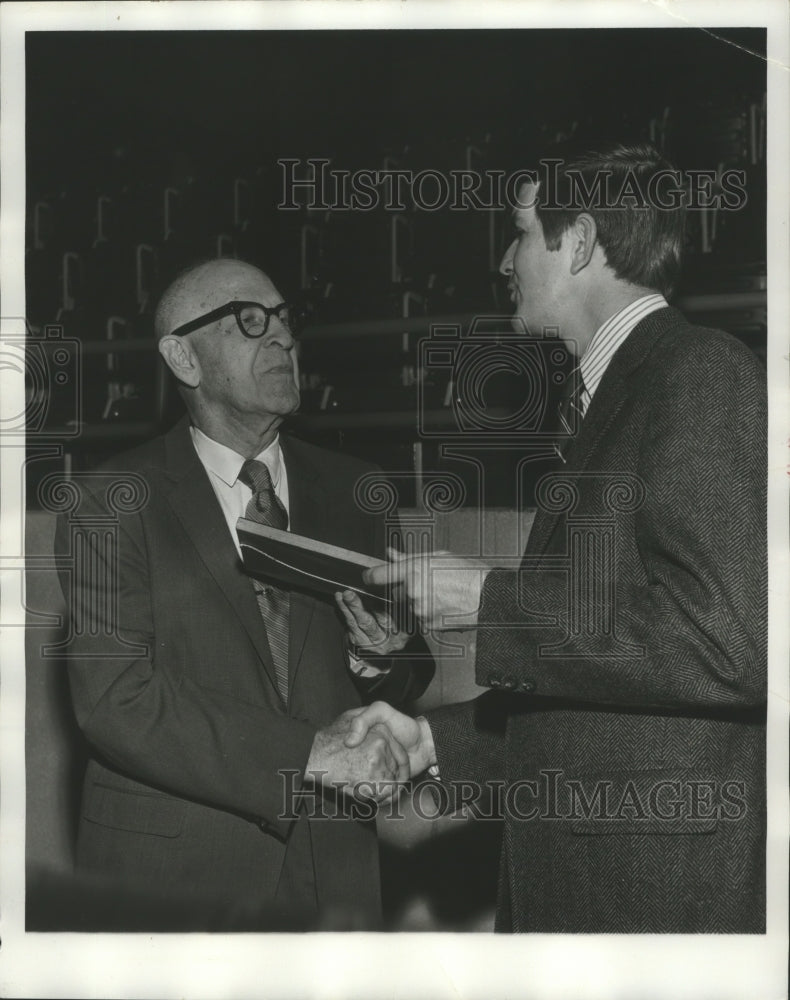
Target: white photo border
382	965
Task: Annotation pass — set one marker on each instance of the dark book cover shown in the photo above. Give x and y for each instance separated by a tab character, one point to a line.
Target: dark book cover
297	562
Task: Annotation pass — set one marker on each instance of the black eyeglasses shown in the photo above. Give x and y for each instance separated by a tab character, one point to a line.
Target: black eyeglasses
252	318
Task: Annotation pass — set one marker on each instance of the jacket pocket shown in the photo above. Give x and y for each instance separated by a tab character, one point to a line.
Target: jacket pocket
137	812
661	801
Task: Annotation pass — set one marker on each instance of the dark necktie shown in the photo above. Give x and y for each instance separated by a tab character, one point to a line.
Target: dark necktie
273	603
569	413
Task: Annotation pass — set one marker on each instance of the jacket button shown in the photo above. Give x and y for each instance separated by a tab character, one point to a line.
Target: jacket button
494	680
509	683
528	687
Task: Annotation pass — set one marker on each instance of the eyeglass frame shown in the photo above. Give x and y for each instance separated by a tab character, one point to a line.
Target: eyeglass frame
234	308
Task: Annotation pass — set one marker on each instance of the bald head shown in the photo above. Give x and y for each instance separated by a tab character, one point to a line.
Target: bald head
203	287
237	387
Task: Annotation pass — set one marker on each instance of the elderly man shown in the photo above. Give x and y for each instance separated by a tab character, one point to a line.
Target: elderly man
205	738
624	731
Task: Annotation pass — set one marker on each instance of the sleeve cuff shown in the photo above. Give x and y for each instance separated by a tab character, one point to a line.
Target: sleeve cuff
365	668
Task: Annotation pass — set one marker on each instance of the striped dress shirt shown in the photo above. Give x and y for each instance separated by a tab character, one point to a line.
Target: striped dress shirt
609	337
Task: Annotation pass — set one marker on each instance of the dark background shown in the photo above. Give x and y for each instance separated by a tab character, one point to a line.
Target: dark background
125	116
342	92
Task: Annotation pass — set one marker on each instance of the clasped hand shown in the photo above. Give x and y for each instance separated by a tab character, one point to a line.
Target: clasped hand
373	767
369	753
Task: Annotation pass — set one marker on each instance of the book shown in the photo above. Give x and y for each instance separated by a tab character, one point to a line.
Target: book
299	562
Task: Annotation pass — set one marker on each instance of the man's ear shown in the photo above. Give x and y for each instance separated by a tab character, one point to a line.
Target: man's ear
181	360
584	236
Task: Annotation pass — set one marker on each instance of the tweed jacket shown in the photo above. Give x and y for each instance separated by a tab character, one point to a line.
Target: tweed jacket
186	730
626	659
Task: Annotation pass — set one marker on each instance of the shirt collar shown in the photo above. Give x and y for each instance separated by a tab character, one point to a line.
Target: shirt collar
226	463
611	334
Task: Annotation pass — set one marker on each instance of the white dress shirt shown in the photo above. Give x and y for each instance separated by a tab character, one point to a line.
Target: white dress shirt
223	466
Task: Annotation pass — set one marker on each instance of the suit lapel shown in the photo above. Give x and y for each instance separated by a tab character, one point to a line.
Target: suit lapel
307	516
610	398
196	506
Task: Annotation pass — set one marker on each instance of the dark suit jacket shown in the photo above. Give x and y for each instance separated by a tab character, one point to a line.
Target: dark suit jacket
186	729
627	657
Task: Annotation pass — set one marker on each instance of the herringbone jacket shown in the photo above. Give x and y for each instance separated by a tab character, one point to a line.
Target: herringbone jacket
626	658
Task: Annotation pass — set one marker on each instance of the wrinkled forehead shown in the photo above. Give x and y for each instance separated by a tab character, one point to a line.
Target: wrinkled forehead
221	283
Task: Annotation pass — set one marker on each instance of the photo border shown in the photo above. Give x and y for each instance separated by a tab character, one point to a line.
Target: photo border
385	965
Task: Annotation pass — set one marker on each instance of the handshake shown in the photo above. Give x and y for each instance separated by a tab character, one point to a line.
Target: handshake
370	752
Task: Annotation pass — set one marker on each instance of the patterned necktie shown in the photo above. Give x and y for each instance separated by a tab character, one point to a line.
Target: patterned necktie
570	413
273	603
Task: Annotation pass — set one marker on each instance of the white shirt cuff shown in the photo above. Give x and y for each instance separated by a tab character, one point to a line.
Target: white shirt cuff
364	668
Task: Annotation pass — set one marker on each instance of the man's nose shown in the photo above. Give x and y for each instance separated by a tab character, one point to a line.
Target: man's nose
279	334
506	264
